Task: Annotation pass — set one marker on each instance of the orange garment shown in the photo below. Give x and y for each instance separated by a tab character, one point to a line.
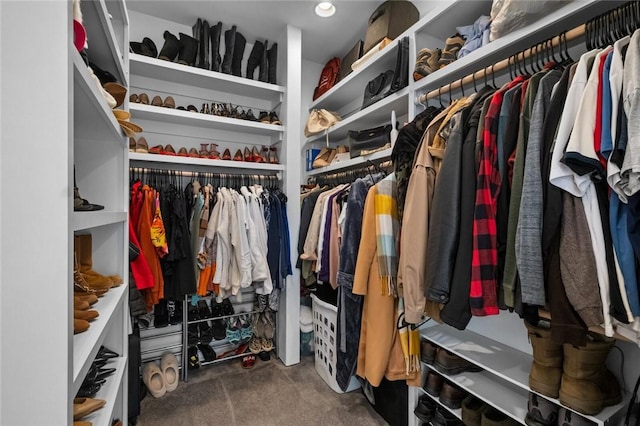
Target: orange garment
158	234
380	351
156	293
205	282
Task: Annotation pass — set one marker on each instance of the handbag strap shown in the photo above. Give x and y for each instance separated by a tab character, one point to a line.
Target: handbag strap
632	402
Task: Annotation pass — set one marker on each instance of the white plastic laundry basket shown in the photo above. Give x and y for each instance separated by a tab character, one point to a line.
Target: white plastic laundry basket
325	318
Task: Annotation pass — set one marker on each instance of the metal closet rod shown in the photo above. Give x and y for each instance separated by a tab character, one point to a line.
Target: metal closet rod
504	64
368	168
186	173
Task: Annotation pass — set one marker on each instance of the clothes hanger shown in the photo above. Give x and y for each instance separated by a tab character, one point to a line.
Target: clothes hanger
461	87
475	89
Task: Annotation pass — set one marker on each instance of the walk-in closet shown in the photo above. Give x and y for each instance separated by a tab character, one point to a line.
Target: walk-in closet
374	212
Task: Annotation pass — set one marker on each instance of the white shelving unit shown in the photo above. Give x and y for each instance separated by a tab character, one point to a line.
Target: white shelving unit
195	86
110	393
352	163
501	363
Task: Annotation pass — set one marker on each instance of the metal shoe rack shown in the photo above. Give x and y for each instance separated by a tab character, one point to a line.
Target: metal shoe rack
246	307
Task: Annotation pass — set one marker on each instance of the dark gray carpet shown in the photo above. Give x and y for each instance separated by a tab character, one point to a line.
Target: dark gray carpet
268	394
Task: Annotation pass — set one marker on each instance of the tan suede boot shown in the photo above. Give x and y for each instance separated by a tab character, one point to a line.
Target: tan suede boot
82	288
84	248
587	385
546	368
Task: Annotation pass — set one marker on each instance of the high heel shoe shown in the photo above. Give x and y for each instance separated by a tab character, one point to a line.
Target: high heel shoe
168	150
182	152
156	101
265	154
273	155
169	102
256	157
214	154
194	153
204	151
248	156
226	155
238	156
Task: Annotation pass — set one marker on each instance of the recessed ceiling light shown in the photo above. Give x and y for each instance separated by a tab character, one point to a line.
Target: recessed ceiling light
325	9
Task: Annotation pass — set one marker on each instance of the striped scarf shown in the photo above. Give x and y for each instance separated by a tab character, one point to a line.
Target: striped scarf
387	233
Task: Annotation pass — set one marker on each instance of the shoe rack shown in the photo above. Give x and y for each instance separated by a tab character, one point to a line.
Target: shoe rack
503	382
77	130
189	126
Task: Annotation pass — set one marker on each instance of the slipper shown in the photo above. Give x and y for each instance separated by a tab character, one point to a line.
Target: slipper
255	346
269	329
170	371
233	333
246	331
206	333
258	326
194	361
248	361
154	379
266	344
218	329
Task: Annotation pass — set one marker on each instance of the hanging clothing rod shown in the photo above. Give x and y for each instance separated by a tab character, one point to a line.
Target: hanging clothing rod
351	174
555	41
184	173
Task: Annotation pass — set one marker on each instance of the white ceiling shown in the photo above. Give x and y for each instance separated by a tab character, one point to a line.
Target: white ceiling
322	38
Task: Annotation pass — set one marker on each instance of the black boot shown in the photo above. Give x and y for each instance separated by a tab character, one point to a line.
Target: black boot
272	58
171	47
238	53
229	44
215	32
264	73
203	48
197	34
188	51
255	57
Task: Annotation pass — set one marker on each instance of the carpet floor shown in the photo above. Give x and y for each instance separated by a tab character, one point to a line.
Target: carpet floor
268	394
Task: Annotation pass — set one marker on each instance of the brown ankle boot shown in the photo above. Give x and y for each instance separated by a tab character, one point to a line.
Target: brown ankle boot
84	249
587	385
546	369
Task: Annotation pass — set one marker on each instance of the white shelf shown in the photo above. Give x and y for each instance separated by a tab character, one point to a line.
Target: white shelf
568	16
505	397
351	163
500	360
456	412
352	86
88	220
87	344
373	116
196	119
103	49
109	392
218	164
197	77
92	117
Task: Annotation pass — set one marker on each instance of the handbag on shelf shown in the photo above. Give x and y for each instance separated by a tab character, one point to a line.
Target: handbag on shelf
319	120
401	73
364	142
377	88
389	20
328	77
354	54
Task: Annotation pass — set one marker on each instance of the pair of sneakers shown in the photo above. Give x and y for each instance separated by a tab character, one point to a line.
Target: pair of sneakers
429	60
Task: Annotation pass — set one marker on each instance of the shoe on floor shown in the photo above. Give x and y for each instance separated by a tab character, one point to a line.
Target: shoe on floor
170	371
154	379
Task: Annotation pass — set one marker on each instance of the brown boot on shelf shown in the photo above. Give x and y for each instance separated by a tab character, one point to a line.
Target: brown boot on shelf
86	315
90	299
79	305
546	369
587	385
84	247
85	406
82	287
80	326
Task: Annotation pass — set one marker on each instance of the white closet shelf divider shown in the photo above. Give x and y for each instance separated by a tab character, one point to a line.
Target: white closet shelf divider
109	392
195	119
103	47
569	15
217	164
158	69
455	411
351	163
507	398
87	344
93	119
500	360
373	116
352	86
89	220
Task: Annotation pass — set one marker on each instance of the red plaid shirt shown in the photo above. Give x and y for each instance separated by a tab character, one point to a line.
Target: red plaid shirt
484	260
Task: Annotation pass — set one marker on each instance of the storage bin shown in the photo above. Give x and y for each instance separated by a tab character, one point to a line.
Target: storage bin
325	318
306	331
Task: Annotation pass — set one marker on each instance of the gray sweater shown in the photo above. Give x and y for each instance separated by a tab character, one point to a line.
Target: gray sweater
528	241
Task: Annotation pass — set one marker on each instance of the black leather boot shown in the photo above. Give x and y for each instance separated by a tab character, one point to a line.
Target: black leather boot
264	72
229	45
215	32
272	58
203	48
197	34
188	51
171	47
255	57
238	53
